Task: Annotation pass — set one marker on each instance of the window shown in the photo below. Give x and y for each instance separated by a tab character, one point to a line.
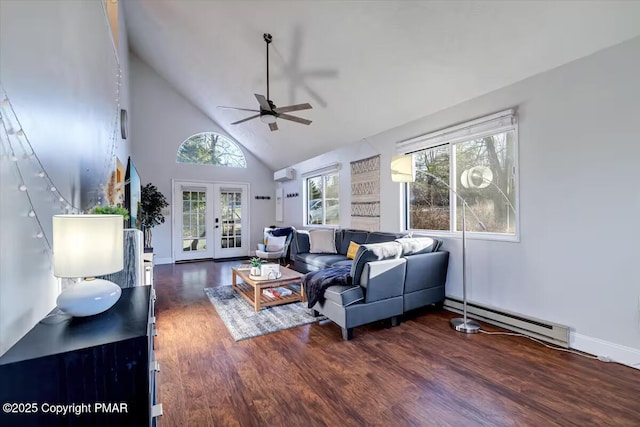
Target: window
478	162
210	148
322	202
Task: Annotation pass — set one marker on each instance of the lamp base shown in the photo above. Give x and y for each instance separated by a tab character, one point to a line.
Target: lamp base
469	327
89	297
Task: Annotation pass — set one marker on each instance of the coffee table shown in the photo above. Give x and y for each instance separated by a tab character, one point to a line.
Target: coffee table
251	288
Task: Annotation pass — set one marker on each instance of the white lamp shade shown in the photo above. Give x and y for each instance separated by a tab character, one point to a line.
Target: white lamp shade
477	177
267	118
402	169
87	245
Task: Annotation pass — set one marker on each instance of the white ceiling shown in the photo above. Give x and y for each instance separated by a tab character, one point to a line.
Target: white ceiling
365	66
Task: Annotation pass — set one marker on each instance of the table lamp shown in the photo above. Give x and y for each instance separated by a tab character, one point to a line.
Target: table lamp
85	246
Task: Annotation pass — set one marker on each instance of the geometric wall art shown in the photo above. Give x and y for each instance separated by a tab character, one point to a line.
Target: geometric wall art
365	194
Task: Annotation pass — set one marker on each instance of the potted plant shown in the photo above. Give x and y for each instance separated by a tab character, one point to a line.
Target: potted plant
111	210
151	205
256	266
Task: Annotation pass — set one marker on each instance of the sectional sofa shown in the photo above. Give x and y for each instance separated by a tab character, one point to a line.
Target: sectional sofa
305	261
389	275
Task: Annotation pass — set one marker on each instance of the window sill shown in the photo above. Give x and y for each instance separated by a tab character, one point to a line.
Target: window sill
332	227
509	238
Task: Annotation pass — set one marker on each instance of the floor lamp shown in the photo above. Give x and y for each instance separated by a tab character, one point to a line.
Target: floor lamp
402	170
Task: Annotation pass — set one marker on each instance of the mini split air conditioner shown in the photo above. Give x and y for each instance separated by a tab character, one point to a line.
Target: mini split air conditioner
284	174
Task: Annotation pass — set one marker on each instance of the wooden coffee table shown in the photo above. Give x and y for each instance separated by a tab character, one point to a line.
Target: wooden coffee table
251	288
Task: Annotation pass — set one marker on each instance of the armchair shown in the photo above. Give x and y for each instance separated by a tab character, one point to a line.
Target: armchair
275	243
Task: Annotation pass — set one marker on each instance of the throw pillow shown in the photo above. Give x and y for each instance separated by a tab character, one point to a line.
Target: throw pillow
417	245
275	244
322	242
353	248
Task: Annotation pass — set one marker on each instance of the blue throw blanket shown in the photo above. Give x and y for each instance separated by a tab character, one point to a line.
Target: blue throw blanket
278	232
316	282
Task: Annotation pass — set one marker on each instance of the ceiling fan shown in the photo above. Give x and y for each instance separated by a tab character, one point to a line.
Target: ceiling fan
268	111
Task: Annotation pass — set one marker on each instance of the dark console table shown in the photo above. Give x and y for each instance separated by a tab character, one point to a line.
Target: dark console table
92	371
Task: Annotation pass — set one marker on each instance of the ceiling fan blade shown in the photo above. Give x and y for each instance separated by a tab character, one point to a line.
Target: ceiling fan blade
241	109
294	119
290	108
273	126
244	120
264	104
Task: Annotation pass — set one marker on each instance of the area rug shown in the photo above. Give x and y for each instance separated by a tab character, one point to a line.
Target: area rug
365	194
243	322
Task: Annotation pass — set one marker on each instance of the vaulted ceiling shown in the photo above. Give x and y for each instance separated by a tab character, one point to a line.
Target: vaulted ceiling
364	66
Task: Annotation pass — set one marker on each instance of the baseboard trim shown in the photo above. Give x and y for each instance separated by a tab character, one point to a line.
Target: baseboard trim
157	261
615	352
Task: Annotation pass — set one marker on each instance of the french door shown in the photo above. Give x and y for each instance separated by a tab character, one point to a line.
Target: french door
210	220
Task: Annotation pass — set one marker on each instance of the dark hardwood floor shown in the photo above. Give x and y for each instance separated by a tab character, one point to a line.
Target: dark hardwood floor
421	373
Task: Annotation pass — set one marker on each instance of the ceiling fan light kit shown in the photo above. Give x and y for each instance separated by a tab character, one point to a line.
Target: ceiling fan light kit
268	112
267	118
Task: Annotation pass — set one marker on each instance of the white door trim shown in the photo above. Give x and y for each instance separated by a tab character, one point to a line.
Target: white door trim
203	183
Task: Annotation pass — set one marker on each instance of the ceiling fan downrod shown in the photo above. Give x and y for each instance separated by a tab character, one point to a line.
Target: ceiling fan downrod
267	38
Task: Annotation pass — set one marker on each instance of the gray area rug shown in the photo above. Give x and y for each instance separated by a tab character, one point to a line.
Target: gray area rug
243	322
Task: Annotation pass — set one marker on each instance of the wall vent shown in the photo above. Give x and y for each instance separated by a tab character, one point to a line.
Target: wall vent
536	328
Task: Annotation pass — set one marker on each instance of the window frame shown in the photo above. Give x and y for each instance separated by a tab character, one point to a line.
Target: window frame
460	134
320	173
224	137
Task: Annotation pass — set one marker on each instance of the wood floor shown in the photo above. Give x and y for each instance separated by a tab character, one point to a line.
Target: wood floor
421	373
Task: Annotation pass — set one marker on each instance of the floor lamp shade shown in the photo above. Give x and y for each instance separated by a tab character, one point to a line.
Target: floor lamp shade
402	169
88	246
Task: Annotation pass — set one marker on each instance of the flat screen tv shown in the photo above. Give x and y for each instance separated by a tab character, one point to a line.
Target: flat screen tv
132	195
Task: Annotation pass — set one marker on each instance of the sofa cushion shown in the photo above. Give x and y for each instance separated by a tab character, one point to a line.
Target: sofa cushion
417	245
373	252
380	237
322	242
338	234
301	241
344	295
343	262
319	260
355	236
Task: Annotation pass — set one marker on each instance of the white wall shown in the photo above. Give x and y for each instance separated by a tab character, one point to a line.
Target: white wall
59	69
164	119
579	204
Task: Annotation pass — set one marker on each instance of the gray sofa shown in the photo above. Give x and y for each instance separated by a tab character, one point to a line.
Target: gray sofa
388	279
305	262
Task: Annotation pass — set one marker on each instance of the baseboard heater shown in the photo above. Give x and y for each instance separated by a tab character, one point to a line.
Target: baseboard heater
536	328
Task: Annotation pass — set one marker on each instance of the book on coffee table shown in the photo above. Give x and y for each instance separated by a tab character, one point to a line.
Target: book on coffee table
277	292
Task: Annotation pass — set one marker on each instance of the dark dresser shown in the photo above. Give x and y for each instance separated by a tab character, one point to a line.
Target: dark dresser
92	371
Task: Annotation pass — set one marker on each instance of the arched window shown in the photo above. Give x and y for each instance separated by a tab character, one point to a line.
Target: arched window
209	148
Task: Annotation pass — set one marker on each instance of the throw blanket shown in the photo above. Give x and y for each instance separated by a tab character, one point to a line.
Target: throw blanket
279	232
316	282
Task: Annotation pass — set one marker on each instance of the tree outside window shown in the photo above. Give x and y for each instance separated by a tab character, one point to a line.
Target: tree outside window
210	148
481	170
